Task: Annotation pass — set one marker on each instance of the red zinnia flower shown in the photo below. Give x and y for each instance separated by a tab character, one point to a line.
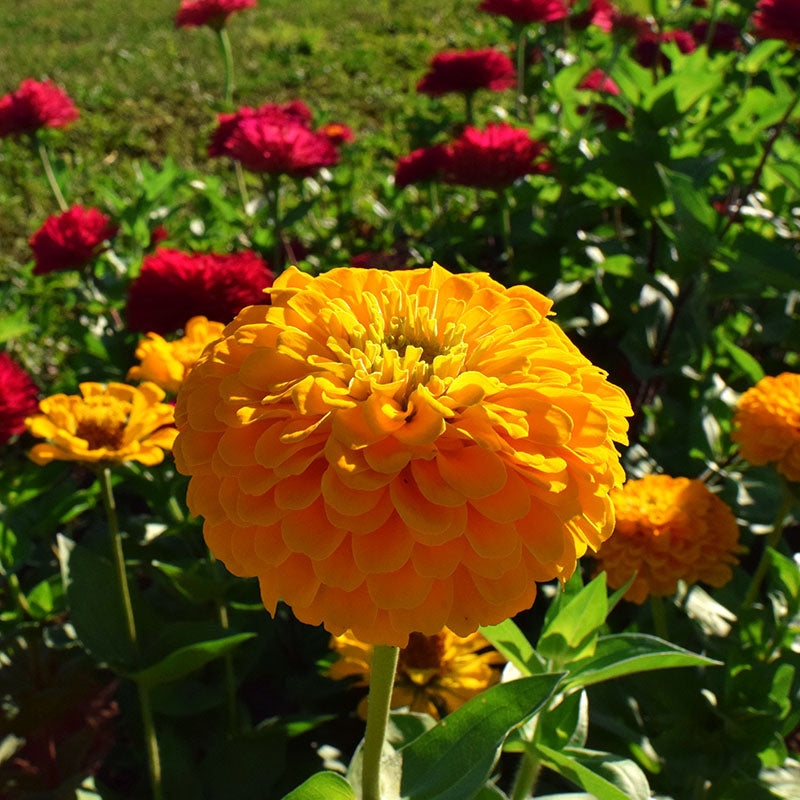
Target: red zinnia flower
277	146
421	165
213	13
778	19
378	261
467	71
173	287
336	133
36	104
526	11
599	12
598	81
492	158
648	47
70	240
724	37
17	397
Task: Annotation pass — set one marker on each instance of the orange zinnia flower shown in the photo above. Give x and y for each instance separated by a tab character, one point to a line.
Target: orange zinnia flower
668	529
768	424
435	674
400	451
166	363
104	425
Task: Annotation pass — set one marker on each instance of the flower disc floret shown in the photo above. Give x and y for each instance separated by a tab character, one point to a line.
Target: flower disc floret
104	425
767	424
166	363
435	674
668	529
396	452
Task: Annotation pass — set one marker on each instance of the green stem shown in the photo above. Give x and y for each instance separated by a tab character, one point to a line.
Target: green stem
242	186
153	759
48	171
521	71
227	55
772	541
528	774
468	110
505	220
384	664
659	616
273	195
230	674
17	594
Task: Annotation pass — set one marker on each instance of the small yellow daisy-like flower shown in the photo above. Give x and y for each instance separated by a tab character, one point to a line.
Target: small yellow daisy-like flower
166	363
435	674
104	425
404	451
767	424
668	529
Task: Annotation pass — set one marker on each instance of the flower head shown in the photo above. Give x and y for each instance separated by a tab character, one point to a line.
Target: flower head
778	19
399	451
294	112
166	363
424	164
668	529
598	81
435	674
599	12
336	133
492	158
17	397
767	424
36	104
526	11
174	286
104	425
214	13
725	36
468	71
647	50
70	240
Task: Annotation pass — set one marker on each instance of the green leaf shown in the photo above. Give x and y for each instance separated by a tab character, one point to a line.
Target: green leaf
187	659
786	574
96	609
567	724
766	261
620	593
405	726
572	632
511	642
627	653
623	779
743	360
453	760
323	786
12	326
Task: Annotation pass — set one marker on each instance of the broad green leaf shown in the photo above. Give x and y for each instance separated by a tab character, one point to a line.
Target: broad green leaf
785	572
405	726
323	786
627	653
95	604
572	631
491	792
746	363
767	261
12	326
620	593
605	776
453	760
511	642
187	659
567	724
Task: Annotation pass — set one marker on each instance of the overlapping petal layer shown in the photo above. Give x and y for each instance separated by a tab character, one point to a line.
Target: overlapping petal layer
392	452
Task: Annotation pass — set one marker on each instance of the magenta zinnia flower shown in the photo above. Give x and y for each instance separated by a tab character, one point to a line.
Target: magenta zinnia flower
36	104
214	13
466	71
778	19
17	397
526	11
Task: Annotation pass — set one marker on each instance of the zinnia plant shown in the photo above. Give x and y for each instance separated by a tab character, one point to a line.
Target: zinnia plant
70	240
17	397
393	453
174	286
214	13
777	19
166	363
435	674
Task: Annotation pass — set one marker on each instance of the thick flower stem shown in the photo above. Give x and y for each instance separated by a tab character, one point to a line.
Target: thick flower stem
468	110
230	673
772	541
659	616
384	664
505	222
227	56
521	71
242	186
273	196
48	171
528	774
153	759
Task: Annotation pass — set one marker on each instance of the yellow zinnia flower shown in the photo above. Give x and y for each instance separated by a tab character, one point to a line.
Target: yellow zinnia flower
435	674
668	529
768	424
400	451
166	363
103	425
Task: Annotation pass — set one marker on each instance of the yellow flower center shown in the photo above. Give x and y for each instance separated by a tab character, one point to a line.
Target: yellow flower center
101	422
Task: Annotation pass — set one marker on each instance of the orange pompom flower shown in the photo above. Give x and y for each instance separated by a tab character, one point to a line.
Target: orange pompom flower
392	452
435	674
767	424
668	529
104	425
166	363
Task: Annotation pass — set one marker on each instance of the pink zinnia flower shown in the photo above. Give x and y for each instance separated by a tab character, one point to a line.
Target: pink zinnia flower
468	70
526	11
17	397
36	104
213	13
424	164
778	19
